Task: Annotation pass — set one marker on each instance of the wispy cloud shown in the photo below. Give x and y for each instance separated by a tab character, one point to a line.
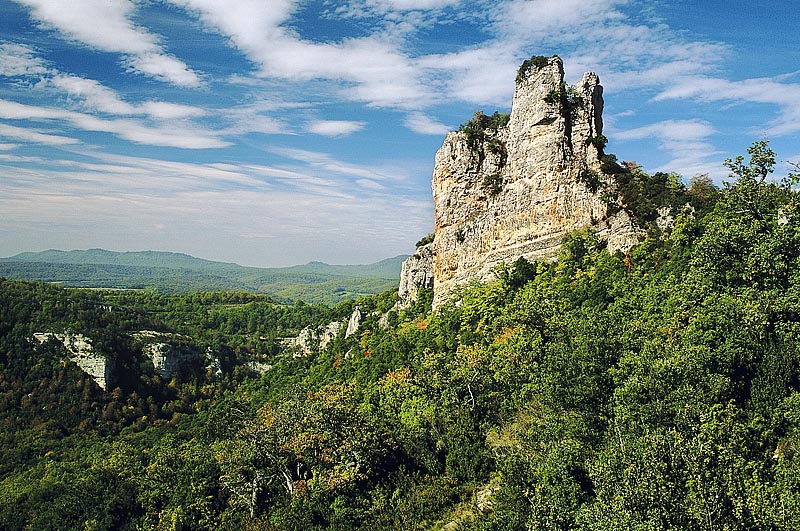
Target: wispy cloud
335	127
177	135
291	211
774	91
27	134
108	26
330	165
425	125
687	141
20	60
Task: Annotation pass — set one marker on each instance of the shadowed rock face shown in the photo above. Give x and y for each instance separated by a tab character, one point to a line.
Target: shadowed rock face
520	188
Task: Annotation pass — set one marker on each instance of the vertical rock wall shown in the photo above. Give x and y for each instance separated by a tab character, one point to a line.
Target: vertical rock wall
415	274
522	188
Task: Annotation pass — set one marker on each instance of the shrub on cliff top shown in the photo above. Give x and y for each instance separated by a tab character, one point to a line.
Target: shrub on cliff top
537	62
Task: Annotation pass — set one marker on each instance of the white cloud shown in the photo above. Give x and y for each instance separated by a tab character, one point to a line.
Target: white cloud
327	164
410	5
335	127
369	184
480	75
93	94
20	60
687	142
164	68
95	97
30	135
527	19
757	90
425	125
170	135
161	110
208	209
106	25
380	74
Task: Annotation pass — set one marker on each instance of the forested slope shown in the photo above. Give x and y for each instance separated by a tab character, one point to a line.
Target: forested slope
654	390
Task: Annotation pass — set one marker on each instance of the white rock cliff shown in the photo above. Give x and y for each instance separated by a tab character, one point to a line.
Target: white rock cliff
509	190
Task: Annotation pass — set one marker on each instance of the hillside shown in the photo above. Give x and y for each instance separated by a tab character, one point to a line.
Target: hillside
176	272
657	389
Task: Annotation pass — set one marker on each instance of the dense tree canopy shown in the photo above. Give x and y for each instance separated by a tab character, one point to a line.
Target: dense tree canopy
654	390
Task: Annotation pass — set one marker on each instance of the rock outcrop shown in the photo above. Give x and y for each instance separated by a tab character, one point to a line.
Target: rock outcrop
415	274
171	353
315	339
83	354
510	187
353	323
312	339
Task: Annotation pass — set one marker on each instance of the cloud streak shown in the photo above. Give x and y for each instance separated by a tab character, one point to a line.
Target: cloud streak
687	141
771	91
106	25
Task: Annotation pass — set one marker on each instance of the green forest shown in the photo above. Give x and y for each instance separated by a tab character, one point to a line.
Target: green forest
653	390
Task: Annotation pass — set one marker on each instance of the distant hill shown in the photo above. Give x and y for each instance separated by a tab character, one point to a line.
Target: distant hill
177	272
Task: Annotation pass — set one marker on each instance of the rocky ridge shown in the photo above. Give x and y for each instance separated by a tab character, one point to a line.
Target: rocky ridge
83	354
514	186
313	339
169	354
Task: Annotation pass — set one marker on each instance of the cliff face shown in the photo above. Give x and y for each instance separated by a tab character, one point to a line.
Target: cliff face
505	190
83	354
416	273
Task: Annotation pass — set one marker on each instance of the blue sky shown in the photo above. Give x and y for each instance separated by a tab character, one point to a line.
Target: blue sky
274	132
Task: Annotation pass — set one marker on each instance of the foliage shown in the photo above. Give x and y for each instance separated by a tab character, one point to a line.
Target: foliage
599	142
493	183
656	390
591	179
568	98
482	130
536	62
426	240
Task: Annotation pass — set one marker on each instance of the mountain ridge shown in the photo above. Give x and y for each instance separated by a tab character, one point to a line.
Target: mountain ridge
165	271
386	268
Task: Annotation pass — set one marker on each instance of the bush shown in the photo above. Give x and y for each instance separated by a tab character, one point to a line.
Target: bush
568	98
537	61
493	184
483	128
426	240
591	179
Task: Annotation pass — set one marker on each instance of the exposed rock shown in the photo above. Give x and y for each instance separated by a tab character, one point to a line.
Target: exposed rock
213	364
353	323
304	343
168	359
415	274
169	353
82	353
311	339
516	190
483	499
665	219
329	333
259	366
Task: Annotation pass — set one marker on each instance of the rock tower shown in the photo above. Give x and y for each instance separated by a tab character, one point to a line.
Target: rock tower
509	187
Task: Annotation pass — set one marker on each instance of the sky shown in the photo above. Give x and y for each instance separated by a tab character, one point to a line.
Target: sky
275	132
